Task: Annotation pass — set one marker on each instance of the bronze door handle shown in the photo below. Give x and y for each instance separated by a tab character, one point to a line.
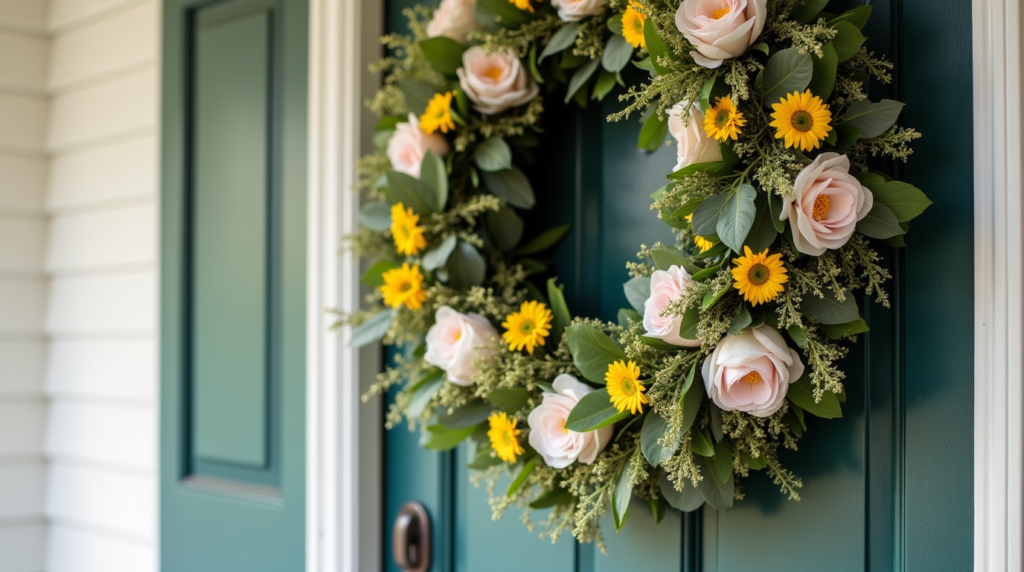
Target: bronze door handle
411	538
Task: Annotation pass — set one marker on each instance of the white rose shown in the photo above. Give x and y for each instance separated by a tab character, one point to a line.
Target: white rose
548	435
410	144
720	29
455	19
456	340
751	372
666	286
575	10
826	205
495	82
694	145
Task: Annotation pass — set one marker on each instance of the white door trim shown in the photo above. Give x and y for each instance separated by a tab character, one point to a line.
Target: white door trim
998	295
343	451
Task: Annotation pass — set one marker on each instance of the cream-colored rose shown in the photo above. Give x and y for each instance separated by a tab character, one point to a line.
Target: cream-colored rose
751	372
495	82
575	10
455	341
455	19
694	145
721	29
826	205
410	144
557	445
666	287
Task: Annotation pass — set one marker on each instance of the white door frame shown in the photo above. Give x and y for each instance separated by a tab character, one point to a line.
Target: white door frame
344	435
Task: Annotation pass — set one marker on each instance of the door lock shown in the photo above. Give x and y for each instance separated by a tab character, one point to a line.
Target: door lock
411	538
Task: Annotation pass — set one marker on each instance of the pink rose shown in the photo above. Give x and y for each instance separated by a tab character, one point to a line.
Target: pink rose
720	29
495	82
548	435
575	10
751	372
694	145
410	144
826	205
666	287
455	19
456	340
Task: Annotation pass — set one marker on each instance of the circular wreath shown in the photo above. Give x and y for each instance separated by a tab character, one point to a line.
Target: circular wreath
735	331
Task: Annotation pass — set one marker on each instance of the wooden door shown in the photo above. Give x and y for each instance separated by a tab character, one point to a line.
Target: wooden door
233	286
888	487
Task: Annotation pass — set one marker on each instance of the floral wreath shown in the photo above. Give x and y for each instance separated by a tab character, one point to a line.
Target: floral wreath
735	331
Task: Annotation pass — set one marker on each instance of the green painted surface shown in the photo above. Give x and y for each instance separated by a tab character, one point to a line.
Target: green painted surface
233	218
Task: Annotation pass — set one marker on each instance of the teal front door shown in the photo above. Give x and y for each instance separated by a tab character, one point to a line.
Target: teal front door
889	487
233	286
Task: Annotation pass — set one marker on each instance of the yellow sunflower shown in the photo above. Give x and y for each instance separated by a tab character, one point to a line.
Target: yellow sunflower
633	25
438	114
528	327
404	286
522	4
699	241
723	120
759	277
624	386
405	230
504	437
802	119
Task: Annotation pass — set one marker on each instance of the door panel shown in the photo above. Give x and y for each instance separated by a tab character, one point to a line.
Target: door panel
233	286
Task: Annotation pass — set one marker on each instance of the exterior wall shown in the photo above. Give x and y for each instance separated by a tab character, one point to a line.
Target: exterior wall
101	261
24	52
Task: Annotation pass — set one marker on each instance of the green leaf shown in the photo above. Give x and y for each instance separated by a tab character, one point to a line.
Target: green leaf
560	40
775	209
423	393
715	251
847	41
762	233
904	200
411	192
544	240
470	415
512	186
638	290
712	91
620	498
846	136
853	328
798	335
655	427
580	78
715	416
655	46
603	86
521	477
857	16
483	461
717	494
665	258
687	500
805	12
506	227
711	298
438	257
559	310
659	344
721	463
873	119
372	329
737	217
374	276
705	216
707	272
688	170
755	464
740	321
496	14
466	267
592	351
554	497
786	72
617	53
690	398
830	310
493	155
645	64
653	133
593	412
627	316
802	394
444	53
823	80
441	438
416	94
761	47
701	442
880	222
510	399
657	507
688	327
531	64
376	216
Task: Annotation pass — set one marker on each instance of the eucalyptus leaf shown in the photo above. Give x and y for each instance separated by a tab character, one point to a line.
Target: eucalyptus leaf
506	227
763	232
857	16
806	11
737	217
688	170
493	155
376	216
705	216
715	416
444	53
438	257
417	94
880	222
830	310
627	316
754	463
528	468
688	326
544	240
712	298
786	72
441	438
837	331
707	272
655	46
823	80
593	412
655	427
466	267
904	200
721	463
665	258
510	185
846	136
411	192
701	443
687	500
801	393
617	53
554	497
653	133
372	329
469	415
509	399
559	310
484	460
580	78
659	344
604	85
690	398
656	505
740	321
592	351
847	41
424	393
873	119
717	494
798	335
638	290
374	275
497	14
560	40
775	208
620	498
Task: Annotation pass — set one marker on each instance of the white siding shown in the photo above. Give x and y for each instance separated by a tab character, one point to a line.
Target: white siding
24	108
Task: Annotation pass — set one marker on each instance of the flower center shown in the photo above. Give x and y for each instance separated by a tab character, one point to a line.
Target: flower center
758	274
405	287
458	335
628	387
821	205
721	119
752	378
564	428
717	14
527	326
506	436
802	121
492	73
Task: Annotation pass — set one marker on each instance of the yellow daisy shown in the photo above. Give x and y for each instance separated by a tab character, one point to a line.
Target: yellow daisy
699	241
405	230
522	4
504	437
759	277
404	285
438	114
528	327
633	25
624	386
803	119
723	120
